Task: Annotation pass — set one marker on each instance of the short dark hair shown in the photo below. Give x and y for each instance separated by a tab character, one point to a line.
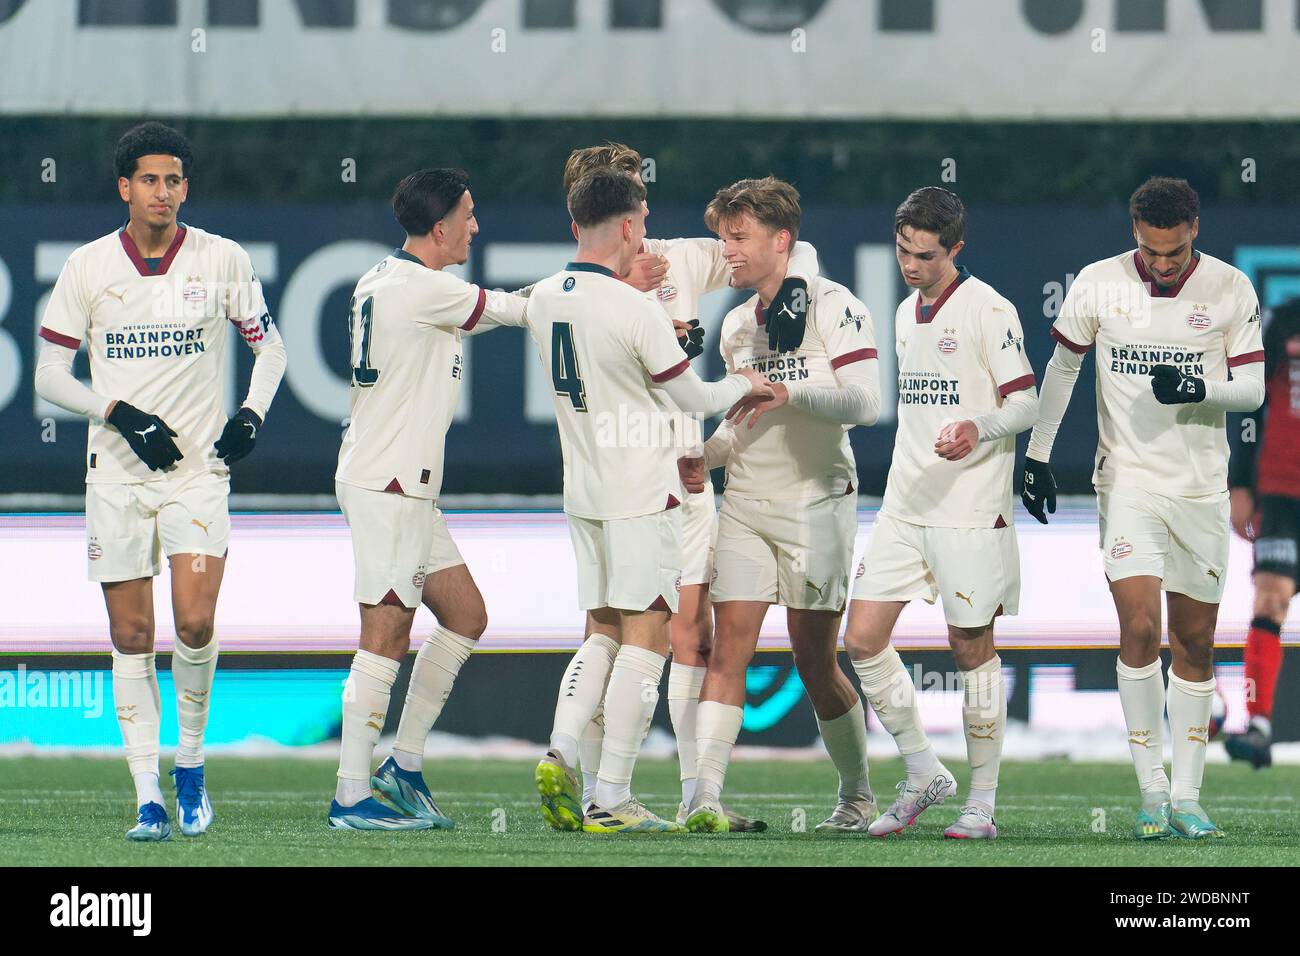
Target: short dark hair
150	139
426	196
1164	202
933	209
603	194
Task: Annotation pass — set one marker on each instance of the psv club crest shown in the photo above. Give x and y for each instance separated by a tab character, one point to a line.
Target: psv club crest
948	341
1199	318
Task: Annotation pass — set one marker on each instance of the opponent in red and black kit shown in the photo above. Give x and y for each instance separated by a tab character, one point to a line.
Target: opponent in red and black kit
1265	480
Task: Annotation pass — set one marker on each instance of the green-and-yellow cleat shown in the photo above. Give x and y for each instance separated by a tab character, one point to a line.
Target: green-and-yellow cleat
1191	822
557	785
708	816
1153	819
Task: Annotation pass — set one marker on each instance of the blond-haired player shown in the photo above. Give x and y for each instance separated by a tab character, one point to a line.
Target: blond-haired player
1178	342
945	528
622	385
789	515
408	317
154	302
674	274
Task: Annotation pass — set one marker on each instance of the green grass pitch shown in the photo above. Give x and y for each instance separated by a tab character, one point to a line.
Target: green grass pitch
74	812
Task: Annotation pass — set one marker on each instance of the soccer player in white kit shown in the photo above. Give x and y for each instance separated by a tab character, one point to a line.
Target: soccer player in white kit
408	315
674	274
154	302
945	529
789	515
622	388
1178	342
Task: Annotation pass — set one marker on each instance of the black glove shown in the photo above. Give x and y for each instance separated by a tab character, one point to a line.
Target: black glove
238	437
693	343
787	315
1038	488
1173	387
148	435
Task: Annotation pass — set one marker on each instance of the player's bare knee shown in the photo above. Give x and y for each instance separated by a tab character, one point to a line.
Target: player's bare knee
194	630
131	637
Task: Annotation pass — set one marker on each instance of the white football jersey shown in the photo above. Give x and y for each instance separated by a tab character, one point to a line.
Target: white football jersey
605	346
696	267
957	358
406	325
1206	325
157	340
791	454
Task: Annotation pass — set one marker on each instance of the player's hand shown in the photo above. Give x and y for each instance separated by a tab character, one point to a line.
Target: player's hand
238	437
148	435
693	474
1172	386
759	386
1241	503
690	336
1038	488
757	407
957	440
647	272
787	316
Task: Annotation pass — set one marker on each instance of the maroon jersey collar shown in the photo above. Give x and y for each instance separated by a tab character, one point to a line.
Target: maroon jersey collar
1156	291
137	260
925	318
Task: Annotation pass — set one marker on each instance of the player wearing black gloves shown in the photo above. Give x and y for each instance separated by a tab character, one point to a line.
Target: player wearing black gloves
1172	326
148	435
787	316
238	437
1173	386
156	482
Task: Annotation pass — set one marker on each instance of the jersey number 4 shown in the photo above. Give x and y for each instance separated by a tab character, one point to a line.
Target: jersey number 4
359	322
565	374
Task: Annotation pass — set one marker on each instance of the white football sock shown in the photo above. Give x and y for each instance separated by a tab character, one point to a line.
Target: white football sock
629	706
593	739
147	789
192	673
984	717
581	692
365	705
136	700
718	727
890	692
1190	703
845	738
1142	696
684	683
432	677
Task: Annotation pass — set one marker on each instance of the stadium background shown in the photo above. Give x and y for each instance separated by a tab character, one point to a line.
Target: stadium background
303	115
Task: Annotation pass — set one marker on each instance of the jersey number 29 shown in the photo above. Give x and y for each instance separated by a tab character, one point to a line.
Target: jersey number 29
359	322
565	374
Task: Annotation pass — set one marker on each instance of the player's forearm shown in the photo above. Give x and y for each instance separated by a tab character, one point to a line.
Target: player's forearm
854	401
1053	400
803	262
269	361
718	448
501	308
1019	411
1244	393
692	394
55	383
